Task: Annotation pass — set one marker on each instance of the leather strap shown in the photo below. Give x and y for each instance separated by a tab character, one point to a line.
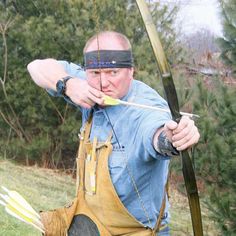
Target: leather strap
161	213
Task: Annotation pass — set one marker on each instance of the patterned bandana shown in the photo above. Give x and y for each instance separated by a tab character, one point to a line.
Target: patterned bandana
108	59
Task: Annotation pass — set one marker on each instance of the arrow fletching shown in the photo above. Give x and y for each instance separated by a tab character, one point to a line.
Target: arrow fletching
13	212
110	101
17	206
24	212
20	201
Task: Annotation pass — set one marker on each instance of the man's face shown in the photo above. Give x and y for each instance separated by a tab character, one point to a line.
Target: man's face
113	82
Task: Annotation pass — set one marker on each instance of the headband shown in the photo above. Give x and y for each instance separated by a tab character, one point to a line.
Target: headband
108	59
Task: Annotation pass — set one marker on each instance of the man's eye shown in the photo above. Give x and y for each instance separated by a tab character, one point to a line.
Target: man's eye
96	72
113	72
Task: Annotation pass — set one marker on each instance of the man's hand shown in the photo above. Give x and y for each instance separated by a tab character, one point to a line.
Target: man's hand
47	72
81	93
182	135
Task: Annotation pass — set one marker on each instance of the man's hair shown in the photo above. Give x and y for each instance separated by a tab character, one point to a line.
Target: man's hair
123	40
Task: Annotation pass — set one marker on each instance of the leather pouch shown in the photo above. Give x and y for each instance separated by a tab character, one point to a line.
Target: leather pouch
91	168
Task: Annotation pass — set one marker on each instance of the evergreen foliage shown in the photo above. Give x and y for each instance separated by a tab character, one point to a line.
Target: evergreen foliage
35	127
217	152
228	42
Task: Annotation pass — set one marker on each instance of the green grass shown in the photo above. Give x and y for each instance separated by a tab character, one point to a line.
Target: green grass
181	220
44	189
47	189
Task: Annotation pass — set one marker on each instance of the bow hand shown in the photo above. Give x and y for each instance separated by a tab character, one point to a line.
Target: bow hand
182	135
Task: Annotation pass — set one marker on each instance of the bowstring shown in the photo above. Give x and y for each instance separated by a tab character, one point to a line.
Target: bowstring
97	28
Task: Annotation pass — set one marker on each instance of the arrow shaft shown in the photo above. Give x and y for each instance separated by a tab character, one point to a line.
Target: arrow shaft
156	108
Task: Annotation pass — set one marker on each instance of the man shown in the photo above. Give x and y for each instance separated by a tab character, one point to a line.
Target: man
142	141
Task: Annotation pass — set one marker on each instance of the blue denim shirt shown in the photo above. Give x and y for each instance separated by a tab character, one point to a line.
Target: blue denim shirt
134	163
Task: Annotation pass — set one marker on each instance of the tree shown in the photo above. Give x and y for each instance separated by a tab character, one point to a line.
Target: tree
34	126
216	162
228	42
200	42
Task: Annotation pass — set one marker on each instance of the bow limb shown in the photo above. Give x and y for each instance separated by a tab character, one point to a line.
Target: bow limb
171	96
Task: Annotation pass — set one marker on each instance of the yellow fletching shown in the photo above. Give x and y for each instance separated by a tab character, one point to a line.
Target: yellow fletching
110	101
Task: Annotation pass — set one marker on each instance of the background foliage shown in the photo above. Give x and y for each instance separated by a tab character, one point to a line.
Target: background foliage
228	42
217	151
34	126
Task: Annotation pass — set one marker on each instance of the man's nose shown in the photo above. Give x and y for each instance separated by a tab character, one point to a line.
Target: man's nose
104	80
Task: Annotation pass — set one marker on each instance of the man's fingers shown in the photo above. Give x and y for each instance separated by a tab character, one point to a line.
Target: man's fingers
182	135
190	143
170	125
187	140
81	93
95	98
184	122
96	95
184	132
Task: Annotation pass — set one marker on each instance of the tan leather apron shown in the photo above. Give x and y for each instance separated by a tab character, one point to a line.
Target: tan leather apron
97	197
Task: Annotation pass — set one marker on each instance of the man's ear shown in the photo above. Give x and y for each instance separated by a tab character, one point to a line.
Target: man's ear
132	72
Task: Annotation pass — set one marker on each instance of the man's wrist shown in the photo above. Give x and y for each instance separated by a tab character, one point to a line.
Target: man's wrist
164	146
61	86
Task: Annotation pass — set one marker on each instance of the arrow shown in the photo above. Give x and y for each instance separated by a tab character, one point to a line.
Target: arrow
16	206
17	199
113	102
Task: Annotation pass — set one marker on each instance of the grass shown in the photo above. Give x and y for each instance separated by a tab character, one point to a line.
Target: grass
47	189
181	220
44	189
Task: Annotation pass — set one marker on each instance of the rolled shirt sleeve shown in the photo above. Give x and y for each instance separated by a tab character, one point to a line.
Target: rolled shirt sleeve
75	71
